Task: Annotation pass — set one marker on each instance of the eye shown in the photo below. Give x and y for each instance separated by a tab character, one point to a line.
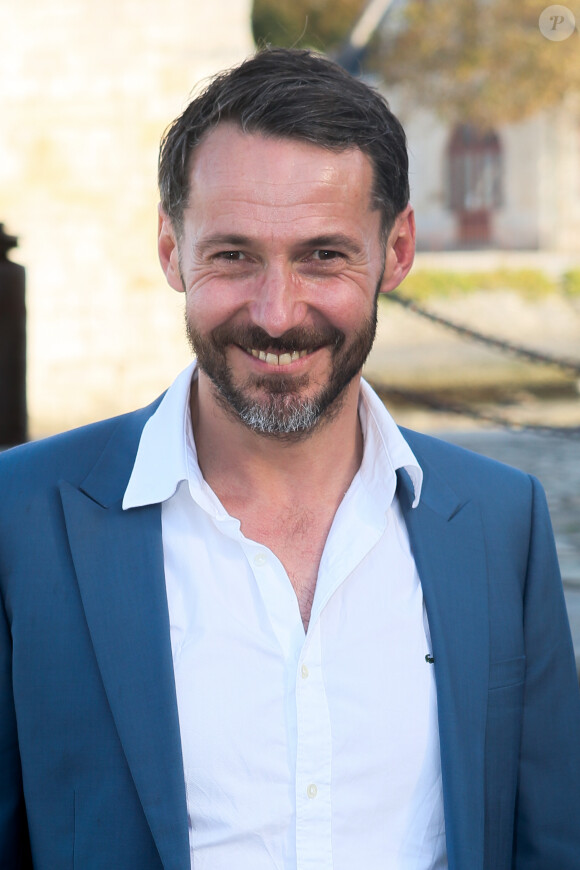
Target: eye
325	255
230	256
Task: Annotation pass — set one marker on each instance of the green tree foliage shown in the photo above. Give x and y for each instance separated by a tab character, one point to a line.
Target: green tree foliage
318	24
477	61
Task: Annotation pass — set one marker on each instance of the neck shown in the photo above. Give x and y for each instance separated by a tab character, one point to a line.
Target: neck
240	464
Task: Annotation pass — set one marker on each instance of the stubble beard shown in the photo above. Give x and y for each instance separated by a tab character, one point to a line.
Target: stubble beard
274	405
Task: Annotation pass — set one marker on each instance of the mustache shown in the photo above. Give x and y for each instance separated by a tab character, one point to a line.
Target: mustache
295	339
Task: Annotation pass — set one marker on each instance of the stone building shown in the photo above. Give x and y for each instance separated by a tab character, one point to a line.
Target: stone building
86	90
515	187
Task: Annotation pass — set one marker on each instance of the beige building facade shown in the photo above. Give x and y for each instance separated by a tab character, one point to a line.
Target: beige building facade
86	90
514	188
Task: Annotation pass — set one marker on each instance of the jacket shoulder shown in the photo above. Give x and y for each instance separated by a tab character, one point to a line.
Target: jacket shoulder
452	459
70	455
469	474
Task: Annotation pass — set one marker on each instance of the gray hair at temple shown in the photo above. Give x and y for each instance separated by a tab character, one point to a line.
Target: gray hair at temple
291	94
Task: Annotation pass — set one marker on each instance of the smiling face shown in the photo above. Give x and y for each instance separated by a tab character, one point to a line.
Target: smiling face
281	259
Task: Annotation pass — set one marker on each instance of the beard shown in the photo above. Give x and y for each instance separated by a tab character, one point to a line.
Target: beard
275	404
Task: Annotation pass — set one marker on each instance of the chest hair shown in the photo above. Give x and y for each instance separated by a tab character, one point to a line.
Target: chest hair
297	537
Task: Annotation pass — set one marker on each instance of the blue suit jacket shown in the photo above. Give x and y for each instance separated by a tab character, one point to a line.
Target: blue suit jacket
90	755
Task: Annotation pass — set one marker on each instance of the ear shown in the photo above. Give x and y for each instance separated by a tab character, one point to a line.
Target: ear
400	251
168	252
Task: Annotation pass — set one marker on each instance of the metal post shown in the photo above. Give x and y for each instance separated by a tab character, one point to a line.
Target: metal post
13	413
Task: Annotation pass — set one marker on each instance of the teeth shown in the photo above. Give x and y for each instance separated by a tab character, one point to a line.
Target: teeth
274	359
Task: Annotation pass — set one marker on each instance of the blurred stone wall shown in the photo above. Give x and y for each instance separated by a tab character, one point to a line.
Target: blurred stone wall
86	90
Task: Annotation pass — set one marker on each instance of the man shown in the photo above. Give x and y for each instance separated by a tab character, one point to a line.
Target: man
253	625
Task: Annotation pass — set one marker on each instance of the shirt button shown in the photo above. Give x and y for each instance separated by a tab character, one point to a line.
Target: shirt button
260	559
311	791
304	672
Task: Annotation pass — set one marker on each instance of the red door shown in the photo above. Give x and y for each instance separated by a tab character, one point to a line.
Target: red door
474	183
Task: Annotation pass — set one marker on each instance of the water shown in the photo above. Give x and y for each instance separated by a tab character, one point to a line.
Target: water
556	463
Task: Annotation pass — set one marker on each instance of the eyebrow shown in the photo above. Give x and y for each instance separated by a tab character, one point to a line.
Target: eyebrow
235	241
331	241
227	240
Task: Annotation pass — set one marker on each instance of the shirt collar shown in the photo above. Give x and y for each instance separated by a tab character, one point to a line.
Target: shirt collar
167	454
161	460
385	449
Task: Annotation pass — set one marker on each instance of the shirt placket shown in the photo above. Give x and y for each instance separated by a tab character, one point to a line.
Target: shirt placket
313	759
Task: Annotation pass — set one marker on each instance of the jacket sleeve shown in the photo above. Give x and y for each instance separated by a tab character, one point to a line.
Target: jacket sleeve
547	833
14	842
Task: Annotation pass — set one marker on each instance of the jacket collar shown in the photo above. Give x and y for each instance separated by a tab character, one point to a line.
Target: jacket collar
108	478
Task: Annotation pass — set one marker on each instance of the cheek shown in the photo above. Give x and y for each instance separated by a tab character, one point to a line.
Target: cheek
210	304
202	316
348	306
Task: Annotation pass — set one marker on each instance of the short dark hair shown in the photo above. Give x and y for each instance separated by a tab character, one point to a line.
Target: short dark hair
291	94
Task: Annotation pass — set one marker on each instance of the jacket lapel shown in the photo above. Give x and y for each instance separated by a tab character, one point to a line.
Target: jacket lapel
447	542
118	559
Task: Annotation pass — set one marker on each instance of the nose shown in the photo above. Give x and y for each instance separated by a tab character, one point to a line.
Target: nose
278	303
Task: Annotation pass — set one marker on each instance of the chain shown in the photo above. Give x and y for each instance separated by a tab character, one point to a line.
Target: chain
387	393
568	365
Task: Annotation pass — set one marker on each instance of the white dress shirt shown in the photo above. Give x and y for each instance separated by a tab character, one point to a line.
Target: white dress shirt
301	751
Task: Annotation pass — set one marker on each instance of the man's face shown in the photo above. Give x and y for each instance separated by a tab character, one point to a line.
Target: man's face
281	260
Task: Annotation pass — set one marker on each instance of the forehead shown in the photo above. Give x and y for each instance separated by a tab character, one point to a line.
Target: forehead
276	171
